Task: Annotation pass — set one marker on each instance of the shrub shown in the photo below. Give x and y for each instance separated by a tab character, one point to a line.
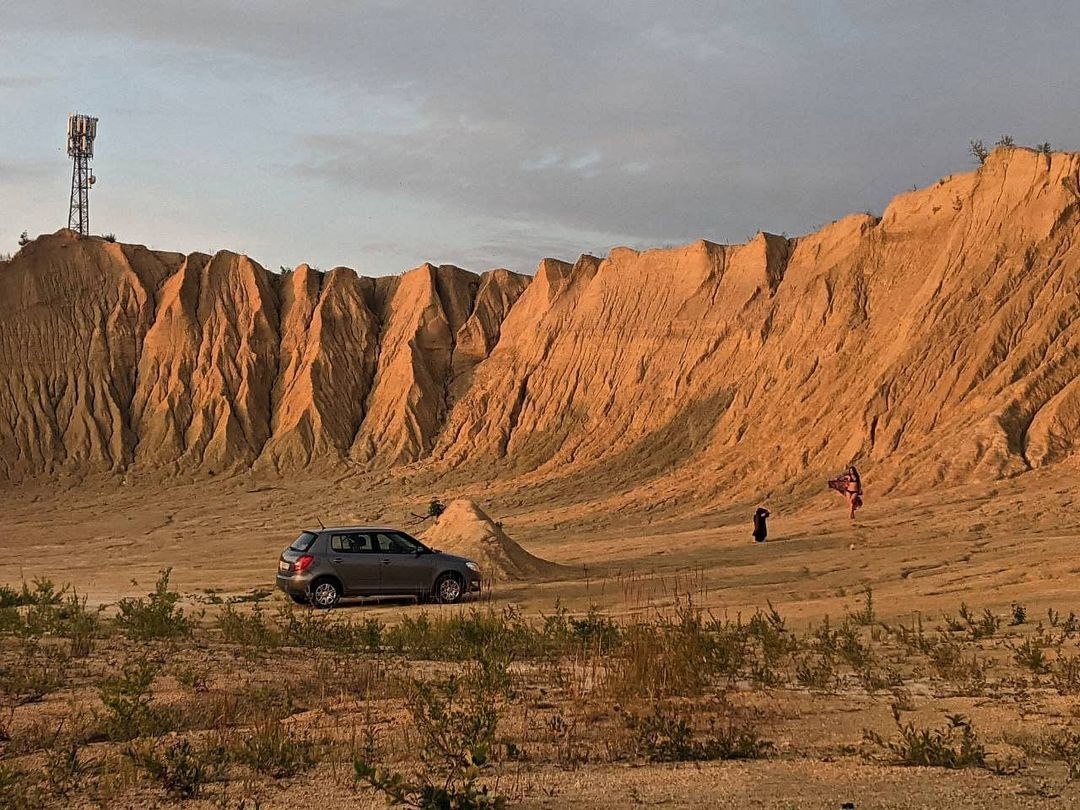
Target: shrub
668	737
1019	615
1066	748
247	629
682	655
181	768
979	152
109	237
865	615
954	746
306	628
455	722
1030	655
817	671
127	696
32	674
1066	674
156	616
1044	148
1006	142
275	750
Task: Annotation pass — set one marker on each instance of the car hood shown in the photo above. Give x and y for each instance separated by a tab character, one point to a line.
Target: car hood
453	558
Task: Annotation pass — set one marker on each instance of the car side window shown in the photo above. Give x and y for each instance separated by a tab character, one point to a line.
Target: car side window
390	544
350	543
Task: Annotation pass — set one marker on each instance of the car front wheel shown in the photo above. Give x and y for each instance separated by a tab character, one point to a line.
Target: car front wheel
449	589
325	594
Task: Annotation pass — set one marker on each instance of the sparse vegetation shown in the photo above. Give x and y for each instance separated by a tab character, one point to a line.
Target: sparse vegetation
181	767
432	710
979	152
668	737
955	745
155	617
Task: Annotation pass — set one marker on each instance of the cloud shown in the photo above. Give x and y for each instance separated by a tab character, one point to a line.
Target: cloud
23	83
594	120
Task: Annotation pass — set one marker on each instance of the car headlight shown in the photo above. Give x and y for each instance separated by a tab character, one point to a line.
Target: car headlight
472	566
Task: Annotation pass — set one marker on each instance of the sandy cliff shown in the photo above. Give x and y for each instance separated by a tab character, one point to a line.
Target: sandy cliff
935	344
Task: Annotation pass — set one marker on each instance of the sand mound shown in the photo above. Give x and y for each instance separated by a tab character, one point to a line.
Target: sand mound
465	530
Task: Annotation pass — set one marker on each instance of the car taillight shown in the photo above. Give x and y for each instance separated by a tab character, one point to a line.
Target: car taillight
302	565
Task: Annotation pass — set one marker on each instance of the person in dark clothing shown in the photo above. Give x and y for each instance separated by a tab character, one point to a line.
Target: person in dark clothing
761	530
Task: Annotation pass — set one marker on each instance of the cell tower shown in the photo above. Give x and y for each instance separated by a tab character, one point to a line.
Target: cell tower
82	129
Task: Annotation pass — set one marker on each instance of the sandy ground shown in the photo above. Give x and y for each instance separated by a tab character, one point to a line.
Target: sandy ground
1015	541
1018	540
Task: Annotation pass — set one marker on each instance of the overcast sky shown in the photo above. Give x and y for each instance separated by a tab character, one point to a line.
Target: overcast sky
379	135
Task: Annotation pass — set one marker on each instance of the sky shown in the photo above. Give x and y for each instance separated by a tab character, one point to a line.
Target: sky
379	135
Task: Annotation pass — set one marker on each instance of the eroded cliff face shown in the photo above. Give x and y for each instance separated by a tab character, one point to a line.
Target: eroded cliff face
115	357
935	344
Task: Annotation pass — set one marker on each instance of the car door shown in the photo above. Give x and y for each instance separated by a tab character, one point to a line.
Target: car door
353	558
403	570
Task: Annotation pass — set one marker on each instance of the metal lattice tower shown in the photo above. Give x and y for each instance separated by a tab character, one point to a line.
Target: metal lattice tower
82	129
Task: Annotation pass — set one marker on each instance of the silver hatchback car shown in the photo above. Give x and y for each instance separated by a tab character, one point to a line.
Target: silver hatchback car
325	565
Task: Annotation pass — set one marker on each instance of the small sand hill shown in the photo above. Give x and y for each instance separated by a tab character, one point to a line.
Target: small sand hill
464	529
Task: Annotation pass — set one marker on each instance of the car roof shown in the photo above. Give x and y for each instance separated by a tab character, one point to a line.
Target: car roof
352	529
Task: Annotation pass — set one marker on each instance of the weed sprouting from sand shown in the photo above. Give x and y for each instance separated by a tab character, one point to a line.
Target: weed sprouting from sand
274	749
1065	746
666	736
155	617
865	615
1031	656
454	720
953	746
128	700
181	767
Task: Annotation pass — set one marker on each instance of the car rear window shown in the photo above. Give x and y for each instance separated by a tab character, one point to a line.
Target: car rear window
303	542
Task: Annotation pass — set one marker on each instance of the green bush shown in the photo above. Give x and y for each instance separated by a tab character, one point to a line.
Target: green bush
155	617
668	737
954	746
455	721
128	696
181	767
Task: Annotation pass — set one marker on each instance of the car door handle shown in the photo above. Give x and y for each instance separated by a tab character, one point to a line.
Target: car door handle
337	559
385	562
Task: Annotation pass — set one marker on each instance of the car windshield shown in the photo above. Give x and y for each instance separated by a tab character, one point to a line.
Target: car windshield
303	542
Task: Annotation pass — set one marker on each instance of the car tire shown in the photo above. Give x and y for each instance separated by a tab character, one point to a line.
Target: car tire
299	598
325	594
449	588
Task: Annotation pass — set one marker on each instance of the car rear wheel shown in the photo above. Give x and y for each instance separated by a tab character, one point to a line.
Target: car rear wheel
449	589
325	594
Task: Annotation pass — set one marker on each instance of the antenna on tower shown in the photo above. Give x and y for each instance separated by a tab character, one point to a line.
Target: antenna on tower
82	129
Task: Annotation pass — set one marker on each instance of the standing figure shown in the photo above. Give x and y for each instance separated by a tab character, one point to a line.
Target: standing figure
761	530
850	485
